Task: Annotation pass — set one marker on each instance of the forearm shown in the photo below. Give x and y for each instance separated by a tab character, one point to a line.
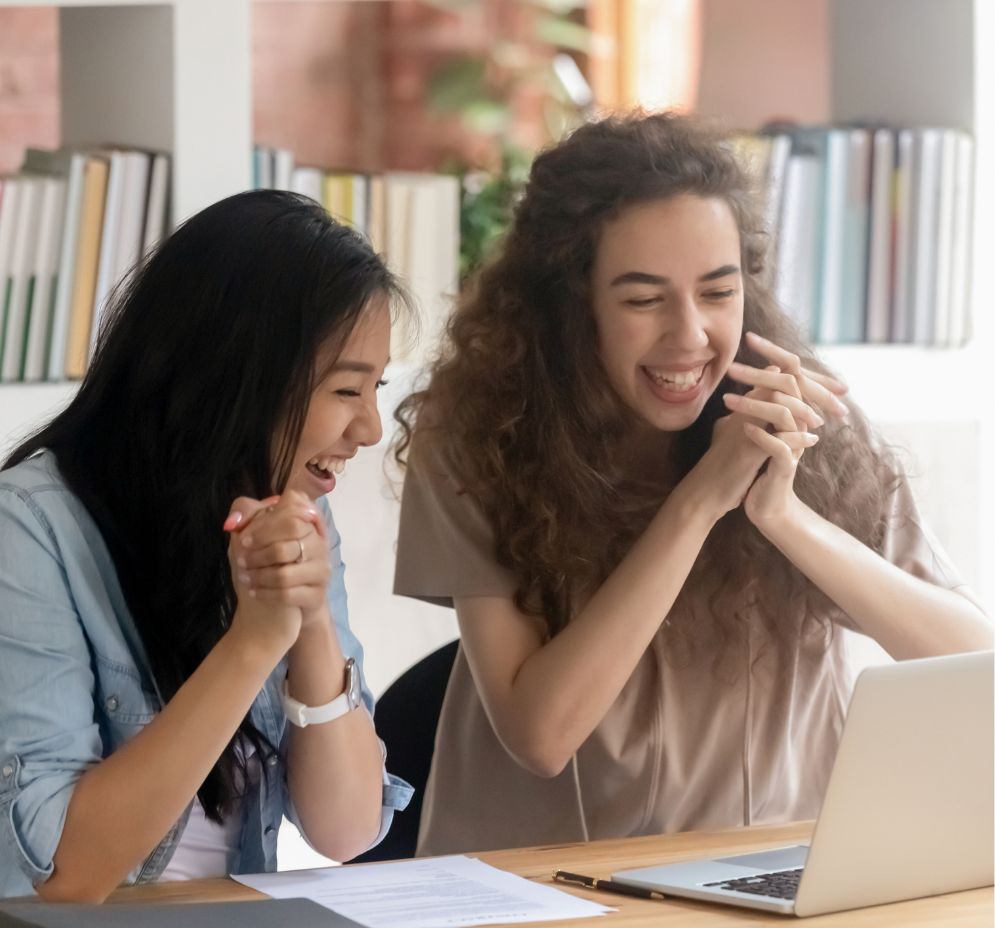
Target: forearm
907	616
563	690
121	808
335	768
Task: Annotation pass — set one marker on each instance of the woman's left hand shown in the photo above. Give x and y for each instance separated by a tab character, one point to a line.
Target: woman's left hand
284	555
772	494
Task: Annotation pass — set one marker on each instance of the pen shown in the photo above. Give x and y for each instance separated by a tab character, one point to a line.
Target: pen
607	886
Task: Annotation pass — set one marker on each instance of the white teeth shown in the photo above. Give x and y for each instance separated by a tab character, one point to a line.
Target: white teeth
675	380
328	464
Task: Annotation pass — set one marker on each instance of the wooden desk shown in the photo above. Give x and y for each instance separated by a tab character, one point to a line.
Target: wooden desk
973	908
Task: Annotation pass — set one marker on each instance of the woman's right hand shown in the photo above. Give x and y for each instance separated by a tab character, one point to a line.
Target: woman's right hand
273	626
720	481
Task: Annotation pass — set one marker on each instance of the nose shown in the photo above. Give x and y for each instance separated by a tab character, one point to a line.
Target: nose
365	428
685	327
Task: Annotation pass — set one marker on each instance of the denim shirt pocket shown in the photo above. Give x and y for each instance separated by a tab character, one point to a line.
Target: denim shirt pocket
122	704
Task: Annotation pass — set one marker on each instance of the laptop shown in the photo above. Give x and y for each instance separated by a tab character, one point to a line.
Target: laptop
908	811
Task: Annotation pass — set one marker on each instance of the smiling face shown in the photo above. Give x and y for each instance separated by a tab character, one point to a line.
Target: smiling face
342	414
668	305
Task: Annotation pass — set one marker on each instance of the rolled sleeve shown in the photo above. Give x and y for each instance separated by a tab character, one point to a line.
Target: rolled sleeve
48	733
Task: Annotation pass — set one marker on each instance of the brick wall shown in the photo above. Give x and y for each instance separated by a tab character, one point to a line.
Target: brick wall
341	84
29	82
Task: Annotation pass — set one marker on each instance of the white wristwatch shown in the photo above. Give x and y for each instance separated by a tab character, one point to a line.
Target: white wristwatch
300	715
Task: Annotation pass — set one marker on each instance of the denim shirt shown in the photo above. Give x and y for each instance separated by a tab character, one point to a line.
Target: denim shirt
75	684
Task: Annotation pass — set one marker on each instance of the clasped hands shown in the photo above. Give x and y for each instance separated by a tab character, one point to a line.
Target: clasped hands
771	423
278	556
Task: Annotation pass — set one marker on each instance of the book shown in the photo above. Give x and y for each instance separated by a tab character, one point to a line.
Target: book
9	209
46	261
107	265
904	217
856	225
960	249
156	221
880	238
134	203
940	329
95	174
798	240
21	277
65	276
925	206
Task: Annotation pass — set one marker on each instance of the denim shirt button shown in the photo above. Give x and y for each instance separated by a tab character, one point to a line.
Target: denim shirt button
112	703
8	771
272	760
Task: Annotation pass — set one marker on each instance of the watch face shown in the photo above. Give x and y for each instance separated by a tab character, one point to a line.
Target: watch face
354	685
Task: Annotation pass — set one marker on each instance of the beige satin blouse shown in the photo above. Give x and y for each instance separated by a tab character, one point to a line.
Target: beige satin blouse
681	748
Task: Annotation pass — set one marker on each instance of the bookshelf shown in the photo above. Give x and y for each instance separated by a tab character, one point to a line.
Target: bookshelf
175	74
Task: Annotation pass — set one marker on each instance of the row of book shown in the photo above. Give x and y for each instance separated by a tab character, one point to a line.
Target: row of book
410	218
871	230
71	224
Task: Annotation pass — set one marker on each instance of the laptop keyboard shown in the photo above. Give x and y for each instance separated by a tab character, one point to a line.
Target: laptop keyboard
781	885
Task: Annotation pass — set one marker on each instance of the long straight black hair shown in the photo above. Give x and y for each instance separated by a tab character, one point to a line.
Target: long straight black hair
197	394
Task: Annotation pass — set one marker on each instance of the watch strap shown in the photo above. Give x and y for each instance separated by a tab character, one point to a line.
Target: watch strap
303	715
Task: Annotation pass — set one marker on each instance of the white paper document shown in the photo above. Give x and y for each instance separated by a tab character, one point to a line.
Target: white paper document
433	893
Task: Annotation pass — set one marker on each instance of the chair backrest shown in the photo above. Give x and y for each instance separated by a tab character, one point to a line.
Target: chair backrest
407	715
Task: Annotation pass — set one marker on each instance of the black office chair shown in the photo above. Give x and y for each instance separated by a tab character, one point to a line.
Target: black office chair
407	717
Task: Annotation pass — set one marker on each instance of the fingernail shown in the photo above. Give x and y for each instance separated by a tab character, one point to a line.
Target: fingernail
818	420
842	408
243	579
234	518
732	398
811	439
252	593
240	561
247	541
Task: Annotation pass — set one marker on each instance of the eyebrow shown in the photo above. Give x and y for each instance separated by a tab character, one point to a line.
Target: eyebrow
359	367
641	277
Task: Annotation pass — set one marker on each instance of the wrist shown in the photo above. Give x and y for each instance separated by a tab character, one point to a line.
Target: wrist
254	652
779	524
692	506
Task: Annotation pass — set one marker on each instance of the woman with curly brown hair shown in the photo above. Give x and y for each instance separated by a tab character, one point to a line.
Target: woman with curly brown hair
612	478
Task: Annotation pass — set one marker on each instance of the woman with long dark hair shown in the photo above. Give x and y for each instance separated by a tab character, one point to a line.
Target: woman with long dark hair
614	476
171	587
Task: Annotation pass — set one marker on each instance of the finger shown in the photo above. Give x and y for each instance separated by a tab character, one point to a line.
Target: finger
802	412
771	379
284	525
296	501
818	384
825	380
781	457
773	413
243	509
286	576
784	359
285	551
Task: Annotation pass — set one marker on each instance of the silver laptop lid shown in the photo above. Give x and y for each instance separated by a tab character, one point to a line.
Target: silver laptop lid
909	809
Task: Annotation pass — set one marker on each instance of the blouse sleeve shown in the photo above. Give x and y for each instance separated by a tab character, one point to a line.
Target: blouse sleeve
445	545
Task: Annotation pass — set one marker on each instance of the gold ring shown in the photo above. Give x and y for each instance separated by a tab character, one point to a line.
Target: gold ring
300	556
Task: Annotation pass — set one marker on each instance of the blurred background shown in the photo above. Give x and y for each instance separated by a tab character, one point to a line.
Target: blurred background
869	123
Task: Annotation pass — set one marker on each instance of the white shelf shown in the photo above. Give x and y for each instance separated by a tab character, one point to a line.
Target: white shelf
908	383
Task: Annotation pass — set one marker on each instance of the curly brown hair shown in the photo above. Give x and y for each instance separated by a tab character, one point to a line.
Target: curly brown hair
522	412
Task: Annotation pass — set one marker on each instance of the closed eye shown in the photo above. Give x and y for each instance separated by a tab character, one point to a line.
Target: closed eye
720	294
643	301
